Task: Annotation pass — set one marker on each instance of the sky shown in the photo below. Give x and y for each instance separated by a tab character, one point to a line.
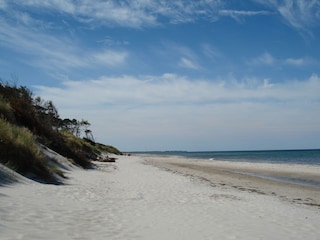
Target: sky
195	75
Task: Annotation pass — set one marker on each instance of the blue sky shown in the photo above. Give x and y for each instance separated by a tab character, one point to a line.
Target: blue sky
172	75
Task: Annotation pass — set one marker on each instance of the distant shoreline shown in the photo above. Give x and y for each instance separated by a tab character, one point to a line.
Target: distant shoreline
301	157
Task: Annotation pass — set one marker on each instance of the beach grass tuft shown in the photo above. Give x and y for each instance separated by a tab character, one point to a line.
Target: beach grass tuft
20	151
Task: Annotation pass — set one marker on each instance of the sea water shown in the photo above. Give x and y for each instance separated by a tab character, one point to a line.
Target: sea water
306	157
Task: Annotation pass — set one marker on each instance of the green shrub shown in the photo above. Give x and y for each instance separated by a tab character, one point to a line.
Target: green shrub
108	148
20	151
80	145
6	111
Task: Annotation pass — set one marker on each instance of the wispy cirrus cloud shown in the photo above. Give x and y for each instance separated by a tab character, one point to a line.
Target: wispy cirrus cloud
210	51
303	61
179	55
303	15
50	52
109	41
267	59
110	57
295	61
27	41
239	15
264	59
187	63
136	14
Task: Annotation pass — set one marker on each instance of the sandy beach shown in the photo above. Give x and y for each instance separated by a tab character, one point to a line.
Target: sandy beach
153	197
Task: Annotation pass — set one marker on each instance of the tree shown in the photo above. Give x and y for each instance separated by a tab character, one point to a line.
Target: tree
47	112
89	135
74	126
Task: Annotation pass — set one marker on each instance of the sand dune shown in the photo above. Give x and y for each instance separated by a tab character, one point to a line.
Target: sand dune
132	199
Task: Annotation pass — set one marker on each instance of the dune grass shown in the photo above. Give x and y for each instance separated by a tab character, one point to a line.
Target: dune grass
108	148
6	111
20	151
27	122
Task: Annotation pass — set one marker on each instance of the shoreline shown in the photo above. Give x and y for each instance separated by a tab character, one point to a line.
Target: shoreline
314	183
295	183
285	156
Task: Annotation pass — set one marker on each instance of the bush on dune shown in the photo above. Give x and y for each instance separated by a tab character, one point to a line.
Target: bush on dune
40	117
108	148
27	122
20	151
6	111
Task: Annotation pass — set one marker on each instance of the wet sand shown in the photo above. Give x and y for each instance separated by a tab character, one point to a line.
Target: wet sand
288	182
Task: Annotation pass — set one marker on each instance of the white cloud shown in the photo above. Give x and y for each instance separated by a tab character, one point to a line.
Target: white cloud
130	111
267	59
60	5
302	14
267	84
137	13
109	41
232	13
178	55
140	13
170	89
238	15
187	63
51	52
33	43
110	57
295	61
264	59
210	51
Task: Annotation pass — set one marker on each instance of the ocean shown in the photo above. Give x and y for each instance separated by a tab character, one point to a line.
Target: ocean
308	157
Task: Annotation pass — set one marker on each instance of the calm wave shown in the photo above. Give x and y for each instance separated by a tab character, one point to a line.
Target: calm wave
309	157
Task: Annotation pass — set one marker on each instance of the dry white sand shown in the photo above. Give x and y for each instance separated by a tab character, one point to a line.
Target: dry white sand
133	200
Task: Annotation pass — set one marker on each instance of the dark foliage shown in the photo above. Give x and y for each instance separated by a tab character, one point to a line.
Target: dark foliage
42	119
39	121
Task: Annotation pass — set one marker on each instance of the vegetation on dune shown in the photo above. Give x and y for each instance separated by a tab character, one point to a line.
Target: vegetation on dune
20	151
26	122
108	148
5	110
